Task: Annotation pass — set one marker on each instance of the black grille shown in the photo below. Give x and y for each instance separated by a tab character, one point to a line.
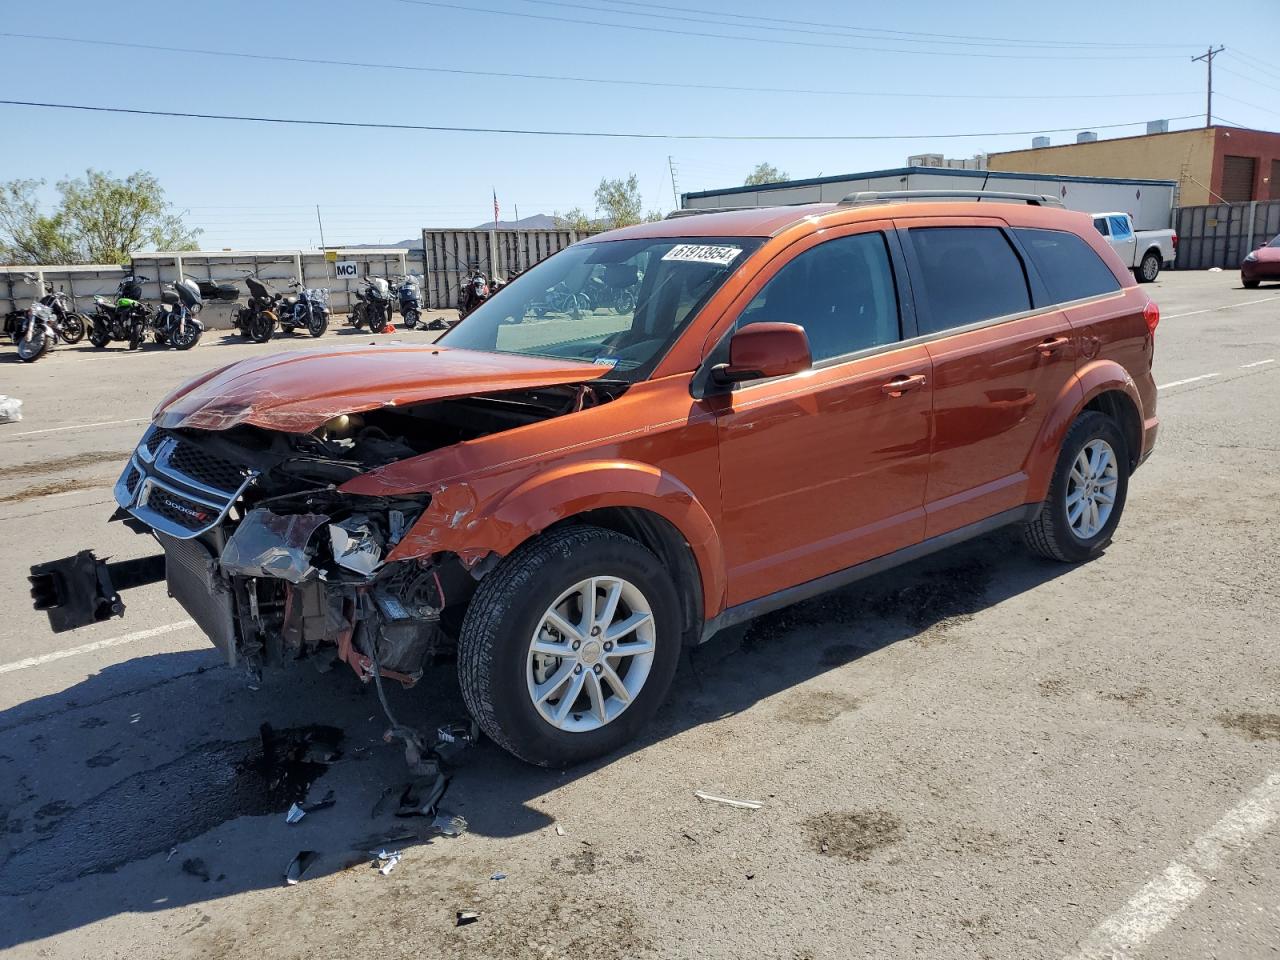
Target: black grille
154	439
191	461
132	481
185	513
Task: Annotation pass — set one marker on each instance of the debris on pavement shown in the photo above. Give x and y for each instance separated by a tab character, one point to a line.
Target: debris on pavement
498	876
559	830
135	717
10	409
465	917
295	814
386	860
449	824
298	866
195	867
421	795
383	803
729	801
172	853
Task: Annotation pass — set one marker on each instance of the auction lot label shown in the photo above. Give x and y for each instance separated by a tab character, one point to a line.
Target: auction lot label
703	253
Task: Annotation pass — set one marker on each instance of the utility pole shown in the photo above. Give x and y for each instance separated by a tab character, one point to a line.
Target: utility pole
1207	57
321	222
675	190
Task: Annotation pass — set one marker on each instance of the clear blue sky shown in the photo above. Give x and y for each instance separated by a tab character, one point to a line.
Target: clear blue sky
251	185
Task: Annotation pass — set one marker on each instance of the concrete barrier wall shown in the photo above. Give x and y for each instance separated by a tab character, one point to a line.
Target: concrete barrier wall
81	282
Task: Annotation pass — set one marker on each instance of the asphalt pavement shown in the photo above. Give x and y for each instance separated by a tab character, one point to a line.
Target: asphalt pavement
982	754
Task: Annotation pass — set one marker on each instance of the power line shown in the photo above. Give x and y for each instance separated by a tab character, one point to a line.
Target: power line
1226	96
569	78
357	124
896	34
1253	63
1245	76
772	41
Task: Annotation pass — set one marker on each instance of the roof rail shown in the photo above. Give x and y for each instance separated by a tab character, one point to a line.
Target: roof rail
880	196
695	211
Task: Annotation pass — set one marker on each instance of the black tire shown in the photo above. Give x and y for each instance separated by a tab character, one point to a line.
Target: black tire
36	346
493	645
73	328
185	340
318	323
260	326
377	321
99	336
1050	533
135	336
411	317
1149	267
1250	284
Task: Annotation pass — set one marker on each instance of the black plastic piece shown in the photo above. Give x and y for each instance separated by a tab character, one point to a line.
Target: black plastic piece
81	590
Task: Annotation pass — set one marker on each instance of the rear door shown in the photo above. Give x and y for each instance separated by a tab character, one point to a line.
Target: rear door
825	469
999	363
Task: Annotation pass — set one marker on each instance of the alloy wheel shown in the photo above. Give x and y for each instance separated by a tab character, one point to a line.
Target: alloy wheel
1091	489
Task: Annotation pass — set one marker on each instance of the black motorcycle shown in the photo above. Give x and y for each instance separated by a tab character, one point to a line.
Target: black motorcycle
373	305
473	292
122	318
34	331
67	325
258	318
409	300
307	309
175	321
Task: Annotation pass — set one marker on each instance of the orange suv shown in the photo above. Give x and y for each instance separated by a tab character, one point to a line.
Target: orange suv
657	433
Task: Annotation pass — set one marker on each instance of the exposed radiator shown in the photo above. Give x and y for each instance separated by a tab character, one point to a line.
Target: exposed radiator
193	582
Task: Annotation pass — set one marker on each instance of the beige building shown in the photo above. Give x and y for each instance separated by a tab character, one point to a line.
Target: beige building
1210	164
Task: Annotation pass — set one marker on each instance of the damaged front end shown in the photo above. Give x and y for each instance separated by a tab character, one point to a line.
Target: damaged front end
271	559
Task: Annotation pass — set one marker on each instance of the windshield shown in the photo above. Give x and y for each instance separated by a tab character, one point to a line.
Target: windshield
1275	242
618	303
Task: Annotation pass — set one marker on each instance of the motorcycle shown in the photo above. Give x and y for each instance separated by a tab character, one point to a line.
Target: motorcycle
373	305
472	293
560	299
122	318
409	300
308	308
174	323
68	325
34	332
257	320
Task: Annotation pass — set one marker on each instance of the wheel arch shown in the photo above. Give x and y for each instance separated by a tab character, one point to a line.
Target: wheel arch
1102	385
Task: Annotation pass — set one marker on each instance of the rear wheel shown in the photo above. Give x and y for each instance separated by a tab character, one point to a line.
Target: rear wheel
73	328
569	646
1087	493
1149	268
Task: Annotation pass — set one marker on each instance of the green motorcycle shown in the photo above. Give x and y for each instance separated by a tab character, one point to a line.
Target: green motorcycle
123	318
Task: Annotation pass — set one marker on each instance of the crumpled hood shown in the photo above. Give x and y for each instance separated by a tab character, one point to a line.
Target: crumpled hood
299	391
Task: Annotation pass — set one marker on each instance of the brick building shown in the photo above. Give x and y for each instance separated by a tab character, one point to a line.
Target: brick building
1211	164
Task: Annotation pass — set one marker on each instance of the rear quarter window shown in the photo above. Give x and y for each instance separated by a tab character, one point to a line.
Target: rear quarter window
1069	267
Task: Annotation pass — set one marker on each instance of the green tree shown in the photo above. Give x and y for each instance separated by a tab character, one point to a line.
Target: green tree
98	219
765	173
575	219
619	201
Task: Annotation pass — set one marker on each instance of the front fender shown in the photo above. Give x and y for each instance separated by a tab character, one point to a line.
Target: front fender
456	521
1094	378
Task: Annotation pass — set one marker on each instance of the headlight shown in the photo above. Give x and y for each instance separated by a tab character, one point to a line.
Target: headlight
1251	258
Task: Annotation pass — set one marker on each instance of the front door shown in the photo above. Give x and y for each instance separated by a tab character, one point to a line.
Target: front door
825	469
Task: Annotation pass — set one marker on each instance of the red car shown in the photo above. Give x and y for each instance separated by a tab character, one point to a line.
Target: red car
1262	264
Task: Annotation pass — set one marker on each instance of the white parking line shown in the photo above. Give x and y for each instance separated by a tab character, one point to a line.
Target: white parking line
1158	903
1178	383
1257	363
96	645
1227	306
74	426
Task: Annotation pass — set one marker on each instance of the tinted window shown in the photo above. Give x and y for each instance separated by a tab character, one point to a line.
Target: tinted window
1100	224
1120	228
840	291
1069	267
968	274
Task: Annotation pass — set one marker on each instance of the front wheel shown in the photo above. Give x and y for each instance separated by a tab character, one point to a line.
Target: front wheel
1250	284
186	337
317	323
1149	268
34	346
135	335
411	318
1086	495
260	326
569	646
377	321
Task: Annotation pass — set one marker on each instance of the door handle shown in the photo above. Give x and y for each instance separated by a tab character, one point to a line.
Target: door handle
901	384
1051	345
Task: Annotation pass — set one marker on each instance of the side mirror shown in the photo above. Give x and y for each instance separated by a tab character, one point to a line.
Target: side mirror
762	350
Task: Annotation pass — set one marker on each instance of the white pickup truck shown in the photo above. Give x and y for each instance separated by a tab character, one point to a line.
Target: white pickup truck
1143	251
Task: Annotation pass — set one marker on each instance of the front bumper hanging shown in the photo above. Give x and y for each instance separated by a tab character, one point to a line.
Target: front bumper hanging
81	590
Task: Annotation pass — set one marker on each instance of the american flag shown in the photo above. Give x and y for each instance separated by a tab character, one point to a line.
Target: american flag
495	206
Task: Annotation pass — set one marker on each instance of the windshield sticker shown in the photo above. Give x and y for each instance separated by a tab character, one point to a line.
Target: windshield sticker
606	361
703	253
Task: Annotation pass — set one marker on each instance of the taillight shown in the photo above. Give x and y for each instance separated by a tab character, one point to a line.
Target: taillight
1175	242
1151	314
